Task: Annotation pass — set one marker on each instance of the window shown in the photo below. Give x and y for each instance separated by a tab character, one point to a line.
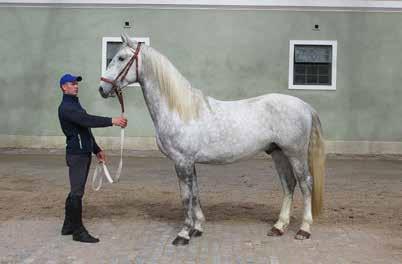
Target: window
110	46
312	65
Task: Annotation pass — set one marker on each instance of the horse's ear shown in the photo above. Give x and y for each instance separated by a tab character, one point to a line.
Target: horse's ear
126	39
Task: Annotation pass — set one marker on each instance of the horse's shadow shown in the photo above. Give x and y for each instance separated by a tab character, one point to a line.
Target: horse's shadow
173	212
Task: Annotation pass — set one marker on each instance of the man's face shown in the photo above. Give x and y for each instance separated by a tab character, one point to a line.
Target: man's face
70	88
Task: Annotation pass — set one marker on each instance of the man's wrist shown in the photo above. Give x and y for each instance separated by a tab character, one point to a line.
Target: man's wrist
97	150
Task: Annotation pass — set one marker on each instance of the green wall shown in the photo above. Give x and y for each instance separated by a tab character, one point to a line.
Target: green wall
227	54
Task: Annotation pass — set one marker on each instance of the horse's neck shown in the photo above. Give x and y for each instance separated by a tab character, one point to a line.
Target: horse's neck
152	99
151	90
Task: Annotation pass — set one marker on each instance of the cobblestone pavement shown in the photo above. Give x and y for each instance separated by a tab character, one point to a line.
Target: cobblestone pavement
150	242
138	218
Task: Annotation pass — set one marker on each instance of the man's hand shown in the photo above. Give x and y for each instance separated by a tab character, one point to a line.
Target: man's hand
101	156
119	121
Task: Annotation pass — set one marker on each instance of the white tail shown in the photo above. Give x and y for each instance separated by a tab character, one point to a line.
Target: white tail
316	162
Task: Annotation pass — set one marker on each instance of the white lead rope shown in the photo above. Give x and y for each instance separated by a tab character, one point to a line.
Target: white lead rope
101	165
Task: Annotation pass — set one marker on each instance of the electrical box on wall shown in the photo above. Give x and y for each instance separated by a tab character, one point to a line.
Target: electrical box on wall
127	23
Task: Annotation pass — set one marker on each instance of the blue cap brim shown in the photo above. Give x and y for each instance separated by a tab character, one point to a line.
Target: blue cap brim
69	78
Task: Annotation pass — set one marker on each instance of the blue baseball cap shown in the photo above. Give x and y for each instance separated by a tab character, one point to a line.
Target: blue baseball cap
69	78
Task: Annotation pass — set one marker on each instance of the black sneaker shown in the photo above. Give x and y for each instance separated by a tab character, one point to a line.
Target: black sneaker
82	235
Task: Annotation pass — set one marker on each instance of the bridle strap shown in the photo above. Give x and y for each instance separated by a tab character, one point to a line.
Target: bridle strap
121	101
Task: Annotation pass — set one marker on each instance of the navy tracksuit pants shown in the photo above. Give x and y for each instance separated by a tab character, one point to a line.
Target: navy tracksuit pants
78	168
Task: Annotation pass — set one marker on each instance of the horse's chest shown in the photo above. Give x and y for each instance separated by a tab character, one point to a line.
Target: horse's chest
160	145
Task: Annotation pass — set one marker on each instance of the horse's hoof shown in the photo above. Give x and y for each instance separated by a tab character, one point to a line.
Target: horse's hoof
275	232
195	233
180	241
302	235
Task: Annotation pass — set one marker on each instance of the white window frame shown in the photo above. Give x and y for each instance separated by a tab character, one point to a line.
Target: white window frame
292	44
106	40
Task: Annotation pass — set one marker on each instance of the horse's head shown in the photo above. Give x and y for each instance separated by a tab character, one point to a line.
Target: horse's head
122	70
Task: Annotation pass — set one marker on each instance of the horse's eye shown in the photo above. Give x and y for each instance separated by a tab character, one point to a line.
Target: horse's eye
121	59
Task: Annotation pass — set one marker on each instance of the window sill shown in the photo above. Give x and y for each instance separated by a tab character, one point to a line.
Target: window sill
312	87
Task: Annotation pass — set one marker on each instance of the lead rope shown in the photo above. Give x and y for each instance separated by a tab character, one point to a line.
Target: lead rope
98	181
101	165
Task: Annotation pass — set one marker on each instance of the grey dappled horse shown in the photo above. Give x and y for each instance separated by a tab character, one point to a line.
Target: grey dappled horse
194	128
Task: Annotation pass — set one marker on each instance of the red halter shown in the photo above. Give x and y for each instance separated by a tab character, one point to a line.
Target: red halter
122	75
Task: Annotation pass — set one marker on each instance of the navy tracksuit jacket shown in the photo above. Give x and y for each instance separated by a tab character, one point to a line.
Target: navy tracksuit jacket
76	125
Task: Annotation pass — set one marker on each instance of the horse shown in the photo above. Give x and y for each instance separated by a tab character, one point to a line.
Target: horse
194	128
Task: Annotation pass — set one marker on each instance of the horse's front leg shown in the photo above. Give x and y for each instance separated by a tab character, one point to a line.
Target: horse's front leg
198	215
185	174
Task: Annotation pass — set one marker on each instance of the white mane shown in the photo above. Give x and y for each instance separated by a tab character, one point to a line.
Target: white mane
181	96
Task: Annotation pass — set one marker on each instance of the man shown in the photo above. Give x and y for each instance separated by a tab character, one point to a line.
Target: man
76	125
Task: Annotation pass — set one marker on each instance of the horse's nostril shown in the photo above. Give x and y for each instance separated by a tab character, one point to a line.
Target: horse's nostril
102	92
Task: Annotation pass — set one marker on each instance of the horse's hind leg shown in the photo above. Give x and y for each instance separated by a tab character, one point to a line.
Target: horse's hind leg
185	175
301	170
288	182
197	211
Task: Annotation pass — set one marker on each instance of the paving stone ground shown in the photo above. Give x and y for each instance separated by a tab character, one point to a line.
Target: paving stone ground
138	218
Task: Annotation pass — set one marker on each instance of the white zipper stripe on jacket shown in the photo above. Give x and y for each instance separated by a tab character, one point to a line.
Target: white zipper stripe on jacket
79	141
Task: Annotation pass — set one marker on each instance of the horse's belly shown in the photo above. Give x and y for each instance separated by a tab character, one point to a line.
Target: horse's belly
224	158
228	152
